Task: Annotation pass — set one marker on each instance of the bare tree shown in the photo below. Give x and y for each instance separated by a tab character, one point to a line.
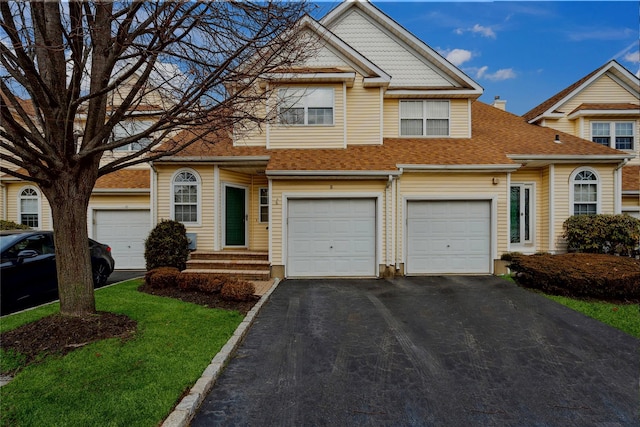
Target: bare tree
74	74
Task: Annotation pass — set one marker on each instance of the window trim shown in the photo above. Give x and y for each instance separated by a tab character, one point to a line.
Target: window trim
198	185
425	118
38	198
612	133
306	107
261	205
573	182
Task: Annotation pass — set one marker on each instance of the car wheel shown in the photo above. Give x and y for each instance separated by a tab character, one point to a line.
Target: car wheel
100	274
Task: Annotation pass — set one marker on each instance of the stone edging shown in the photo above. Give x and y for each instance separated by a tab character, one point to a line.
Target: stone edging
184	412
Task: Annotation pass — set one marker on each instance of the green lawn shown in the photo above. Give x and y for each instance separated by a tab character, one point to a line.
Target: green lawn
625	317
114	383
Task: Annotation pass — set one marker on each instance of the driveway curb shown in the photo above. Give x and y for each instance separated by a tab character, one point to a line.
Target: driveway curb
186	409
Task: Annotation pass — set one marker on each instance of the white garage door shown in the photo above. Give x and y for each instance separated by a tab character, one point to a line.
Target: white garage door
125	231
331	237
448	237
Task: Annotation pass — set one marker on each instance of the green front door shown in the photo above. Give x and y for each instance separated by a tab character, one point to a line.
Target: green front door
235	213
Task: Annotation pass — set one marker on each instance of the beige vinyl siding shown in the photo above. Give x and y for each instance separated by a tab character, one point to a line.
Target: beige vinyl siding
562	197
324	189
631	201
363	114
321	136
459	118
258	231
604	90
204	231
454	186
13	191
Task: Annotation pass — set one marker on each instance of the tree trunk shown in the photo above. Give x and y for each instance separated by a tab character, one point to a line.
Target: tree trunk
69	201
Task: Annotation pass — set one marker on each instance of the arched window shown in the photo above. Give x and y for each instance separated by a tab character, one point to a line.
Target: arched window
186	197
585	192
29	205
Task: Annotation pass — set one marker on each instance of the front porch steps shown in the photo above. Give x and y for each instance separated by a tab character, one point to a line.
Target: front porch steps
245	265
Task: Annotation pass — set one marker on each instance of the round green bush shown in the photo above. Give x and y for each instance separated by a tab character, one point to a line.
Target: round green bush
167	246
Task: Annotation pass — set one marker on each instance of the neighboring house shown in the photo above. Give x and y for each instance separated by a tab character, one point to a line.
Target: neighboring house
604	107
118	211
382	161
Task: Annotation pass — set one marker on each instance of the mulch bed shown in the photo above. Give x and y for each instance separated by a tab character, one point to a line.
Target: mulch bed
57	334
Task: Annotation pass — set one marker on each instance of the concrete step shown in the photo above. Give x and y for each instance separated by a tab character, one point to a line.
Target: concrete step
230	255
238	274
228	264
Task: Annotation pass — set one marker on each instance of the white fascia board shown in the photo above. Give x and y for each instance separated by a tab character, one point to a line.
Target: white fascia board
433	93
460	168
349	77
586	113
345	173
572	158
350	55
546	116
630	193
418	45
549	112
121	191
214	159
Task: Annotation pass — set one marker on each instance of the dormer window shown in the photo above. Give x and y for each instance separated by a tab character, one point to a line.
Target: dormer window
424	118
306	106
618	135
128	128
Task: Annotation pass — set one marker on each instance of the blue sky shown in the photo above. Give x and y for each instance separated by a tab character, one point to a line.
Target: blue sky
523	51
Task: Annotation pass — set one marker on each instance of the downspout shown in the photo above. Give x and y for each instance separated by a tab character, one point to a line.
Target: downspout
4	201
397	218
389	222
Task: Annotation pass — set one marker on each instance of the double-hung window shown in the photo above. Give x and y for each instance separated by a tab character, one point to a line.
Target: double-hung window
186	195
424	118
30	207
127	128
306	106
617	135
585	192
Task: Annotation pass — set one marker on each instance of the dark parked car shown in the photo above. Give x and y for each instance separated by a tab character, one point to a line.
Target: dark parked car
28	268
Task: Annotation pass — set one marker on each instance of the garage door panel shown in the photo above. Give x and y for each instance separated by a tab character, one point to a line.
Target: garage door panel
448	237
125	231
338	236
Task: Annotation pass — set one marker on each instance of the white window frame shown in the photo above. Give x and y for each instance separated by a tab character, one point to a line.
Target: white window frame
127	128
198	185
612	133
261	215
300	98
38	197
572	184
424	117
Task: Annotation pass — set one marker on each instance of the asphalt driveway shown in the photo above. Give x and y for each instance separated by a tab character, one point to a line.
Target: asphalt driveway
450	351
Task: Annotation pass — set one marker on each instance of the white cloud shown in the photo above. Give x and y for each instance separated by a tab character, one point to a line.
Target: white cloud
633	57
477	29
484	31
502	74
458	56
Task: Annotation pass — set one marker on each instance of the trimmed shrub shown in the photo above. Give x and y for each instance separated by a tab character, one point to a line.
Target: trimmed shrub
602	234
213	285
237	290
162	277
192	281
10	225
167	246
605	277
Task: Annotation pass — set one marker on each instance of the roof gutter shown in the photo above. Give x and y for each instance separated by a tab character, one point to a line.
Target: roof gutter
460	168
332	173
572	158
214	159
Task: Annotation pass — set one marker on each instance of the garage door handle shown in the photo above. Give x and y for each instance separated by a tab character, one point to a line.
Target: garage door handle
330	247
